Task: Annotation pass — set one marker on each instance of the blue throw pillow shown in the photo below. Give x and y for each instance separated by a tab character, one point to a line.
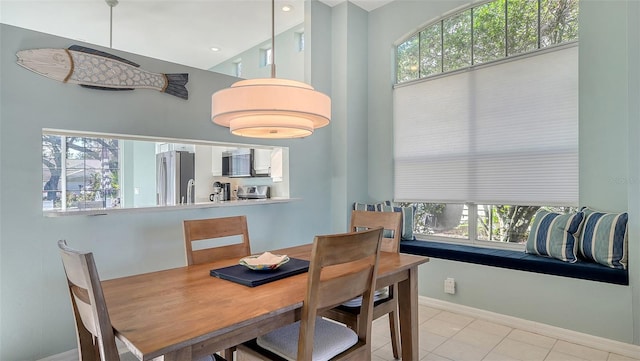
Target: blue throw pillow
387	206
364	207
604	238
407	218
554	235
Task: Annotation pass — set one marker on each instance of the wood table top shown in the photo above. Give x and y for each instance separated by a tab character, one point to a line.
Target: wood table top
163	311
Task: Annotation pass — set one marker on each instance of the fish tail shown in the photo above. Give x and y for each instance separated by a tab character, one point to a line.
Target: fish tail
176	85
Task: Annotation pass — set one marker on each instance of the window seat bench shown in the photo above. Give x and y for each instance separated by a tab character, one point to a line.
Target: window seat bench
517	260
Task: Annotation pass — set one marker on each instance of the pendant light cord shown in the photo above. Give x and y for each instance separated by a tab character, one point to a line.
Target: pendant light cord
273	38
111	4
111	27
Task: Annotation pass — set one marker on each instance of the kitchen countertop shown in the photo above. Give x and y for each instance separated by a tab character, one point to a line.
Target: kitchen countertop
106	211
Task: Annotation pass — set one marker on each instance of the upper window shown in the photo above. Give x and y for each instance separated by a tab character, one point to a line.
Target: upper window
484	33
300	41
237	68
266	57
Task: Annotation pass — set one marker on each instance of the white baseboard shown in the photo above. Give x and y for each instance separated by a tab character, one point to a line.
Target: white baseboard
584	339
72	355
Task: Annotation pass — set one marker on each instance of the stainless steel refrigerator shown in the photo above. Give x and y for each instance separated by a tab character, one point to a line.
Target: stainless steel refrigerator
175	176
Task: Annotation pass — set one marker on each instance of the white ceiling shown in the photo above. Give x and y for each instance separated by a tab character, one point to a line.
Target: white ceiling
178	31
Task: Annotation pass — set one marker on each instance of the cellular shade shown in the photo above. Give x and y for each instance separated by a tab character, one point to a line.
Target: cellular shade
503	133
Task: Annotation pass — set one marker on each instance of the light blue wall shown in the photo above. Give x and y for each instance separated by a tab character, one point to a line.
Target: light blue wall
603	123
138	173
35	309
349	128
609	158
144	174
289	60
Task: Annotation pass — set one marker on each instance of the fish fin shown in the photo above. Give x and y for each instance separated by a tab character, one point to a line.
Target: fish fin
84	49
103	87
176	85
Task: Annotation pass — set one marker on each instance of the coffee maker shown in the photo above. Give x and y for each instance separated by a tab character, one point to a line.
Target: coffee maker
221	192
217	195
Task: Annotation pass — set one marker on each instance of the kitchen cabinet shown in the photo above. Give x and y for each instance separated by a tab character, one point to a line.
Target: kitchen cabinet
262	162
216	160
276	165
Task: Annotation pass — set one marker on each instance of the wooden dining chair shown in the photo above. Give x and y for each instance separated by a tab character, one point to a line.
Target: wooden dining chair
385	300
96	340
342	266
215	229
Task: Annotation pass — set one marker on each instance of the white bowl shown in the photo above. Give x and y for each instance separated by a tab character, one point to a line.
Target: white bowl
276	261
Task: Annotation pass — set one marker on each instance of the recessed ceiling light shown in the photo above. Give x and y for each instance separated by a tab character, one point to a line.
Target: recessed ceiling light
215	48
287	8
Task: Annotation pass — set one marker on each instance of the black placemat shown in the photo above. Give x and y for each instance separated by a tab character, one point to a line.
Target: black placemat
243	275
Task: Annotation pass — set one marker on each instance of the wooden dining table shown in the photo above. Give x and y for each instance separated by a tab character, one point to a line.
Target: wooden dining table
184	313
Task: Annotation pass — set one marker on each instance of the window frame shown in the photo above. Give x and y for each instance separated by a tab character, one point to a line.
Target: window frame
407	71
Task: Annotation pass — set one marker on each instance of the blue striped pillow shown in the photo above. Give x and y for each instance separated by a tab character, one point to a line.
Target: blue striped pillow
604	238
554	235
364	207
387	206
407	218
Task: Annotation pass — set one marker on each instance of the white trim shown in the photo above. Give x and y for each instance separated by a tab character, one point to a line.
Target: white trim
600	343
72	355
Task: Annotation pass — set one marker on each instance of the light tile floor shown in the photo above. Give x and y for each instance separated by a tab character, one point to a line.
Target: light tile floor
446	336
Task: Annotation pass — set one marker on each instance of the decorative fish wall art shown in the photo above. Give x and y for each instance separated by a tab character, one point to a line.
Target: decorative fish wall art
99	70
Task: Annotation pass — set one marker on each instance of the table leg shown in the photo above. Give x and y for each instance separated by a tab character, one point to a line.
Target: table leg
408	308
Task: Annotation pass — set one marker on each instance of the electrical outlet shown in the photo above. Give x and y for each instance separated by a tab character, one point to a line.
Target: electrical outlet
450	286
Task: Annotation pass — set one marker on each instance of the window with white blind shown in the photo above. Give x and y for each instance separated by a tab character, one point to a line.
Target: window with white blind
503	133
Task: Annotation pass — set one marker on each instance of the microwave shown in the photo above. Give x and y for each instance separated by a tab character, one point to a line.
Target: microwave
237	163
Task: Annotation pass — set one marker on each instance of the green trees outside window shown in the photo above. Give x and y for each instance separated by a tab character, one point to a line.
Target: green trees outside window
488	32
482	222
79	172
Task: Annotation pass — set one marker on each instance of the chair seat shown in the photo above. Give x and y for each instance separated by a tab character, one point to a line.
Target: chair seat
330	340
379	295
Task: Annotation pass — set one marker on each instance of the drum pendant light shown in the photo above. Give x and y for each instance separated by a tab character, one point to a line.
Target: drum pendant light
271	107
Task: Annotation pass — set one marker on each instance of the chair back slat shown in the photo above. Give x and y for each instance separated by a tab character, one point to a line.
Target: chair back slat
390	221
96	340
343	287
211	229
83	304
